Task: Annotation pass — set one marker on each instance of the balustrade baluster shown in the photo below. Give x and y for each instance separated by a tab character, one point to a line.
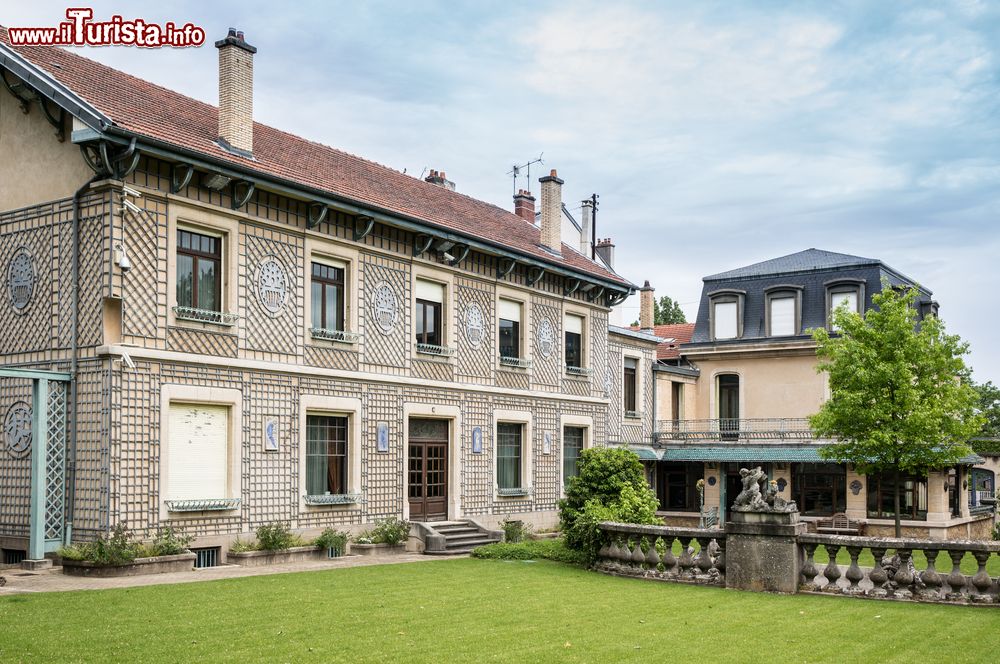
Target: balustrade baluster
956	580
652	555
809	570
932	580
854	574
832	570
982	580
903	577
878	576
720	561
637	557
686	562
704	560
669	559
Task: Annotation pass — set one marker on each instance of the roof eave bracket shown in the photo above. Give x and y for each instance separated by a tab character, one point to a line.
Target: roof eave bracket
242	191
535	275
317	214
572	286
505	266
460	255
180	177
421	243
363	227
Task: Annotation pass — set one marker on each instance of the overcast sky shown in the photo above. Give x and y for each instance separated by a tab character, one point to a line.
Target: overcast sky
717	134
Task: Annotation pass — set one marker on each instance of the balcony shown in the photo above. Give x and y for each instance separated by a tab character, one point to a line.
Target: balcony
735	430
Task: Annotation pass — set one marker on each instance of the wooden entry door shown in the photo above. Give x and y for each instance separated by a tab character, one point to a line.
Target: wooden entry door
427	474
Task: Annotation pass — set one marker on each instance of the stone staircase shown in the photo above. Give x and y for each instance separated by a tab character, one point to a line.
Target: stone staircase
448	538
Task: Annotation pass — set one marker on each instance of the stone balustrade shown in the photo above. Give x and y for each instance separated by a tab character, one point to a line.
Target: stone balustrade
649	552
894	575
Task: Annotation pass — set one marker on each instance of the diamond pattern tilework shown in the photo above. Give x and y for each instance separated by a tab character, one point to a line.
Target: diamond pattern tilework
392	349
546	371
331	358
516	379
273	336
476	362
201	342
433	370
15	473
144	310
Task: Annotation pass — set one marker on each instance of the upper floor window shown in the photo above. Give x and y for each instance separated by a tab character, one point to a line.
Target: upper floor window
847	295
726	315
327	297
199	271
783	313
510	329
573	325
630	384
429	313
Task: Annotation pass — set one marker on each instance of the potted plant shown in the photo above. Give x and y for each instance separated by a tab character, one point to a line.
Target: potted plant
388	537
334	542
120	554
275	543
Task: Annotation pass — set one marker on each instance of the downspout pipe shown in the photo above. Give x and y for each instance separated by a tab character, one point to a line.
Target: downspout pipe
74	357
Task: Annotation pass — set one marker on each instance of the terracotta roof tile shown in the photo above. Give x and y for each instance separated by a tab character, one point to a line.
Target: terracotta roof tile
679	332
152	111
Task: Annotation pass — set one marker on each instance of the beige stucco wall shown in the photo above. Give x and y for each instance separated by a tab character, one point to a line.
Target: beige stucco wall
35	167
769	386
664	396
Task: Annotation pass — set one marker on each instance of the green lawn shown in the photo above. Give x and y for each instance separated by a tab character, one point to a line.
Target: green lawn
479	610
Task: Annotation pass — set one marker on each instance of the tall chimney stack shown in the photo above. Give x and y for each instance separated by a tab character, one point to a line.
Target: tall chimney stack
524	205
586	224
236	93
552	211
606	250
646	318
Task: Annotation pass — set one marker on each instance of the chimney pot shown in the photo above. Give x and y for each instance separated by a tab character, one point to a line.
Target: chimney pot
524	205
439	179
646	308
552	211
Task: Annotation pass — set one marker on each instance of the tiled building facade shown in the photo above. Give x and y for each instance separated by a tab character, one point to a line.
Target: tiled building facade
250	349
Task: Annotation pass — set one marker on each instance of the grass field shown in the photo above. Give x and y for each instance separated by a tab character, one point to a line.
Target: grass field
479	610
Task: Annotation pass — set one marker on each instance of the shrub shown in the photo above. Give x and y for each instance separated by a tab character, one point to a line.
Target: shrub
242	546
514	530
332	539
549	549
169	542
611	486
390	531
276	536
118	548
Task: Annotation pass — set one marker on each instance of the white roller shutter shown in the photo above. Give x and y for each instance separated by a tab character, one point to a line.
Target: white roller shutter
430	291
198	452
724	314
782	316
510	310
850	297
574	324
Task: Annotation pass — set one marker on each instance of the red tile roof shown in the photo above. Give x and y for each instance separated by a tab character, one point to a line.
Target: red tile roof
679	332
155	112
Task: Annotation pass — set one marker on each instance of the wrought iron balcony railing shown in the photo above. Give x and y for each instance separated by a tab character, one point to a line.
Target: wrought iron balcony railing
343	336
206	316
333	499
581	372
203	505
431	349
515	362
735	430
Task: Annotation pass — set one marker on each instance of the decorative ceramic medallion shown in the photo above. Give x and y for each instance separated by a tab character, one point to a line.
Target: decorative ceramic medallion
475	325
272	285
20	280
546	338
17	429
856	487
384	308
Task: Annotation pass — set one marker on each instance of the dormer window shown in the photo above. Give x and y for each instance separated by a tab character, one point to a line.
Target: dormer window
726	314
784	311
849	294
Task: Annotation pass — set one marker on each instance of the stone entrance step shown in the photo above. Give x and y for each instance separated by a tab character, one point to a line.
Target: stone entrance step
444	538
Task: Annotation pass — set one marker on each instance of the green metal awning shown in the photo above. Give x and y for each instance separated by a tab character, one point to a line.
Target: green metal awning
645	452
749	453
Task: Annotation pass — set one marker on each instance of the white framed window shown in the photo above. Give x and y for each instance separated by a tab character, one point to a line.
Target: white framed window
329	452
574	347
849	294
330	316
630	387
512	435
725	312
199	455
510	314
430	316
575	433
202	276
784	311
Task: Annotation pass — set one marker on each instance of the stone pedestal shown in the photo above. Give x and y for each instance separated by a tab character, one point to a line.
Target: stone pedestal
42	563
762	551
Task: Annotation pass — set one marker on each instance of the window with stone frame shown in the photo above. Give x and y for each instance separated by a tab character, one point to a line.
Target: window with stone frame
327	292
574	341
199	270
510	329
428	329
819	489
573	438
630	386
510	442
677	486
326	454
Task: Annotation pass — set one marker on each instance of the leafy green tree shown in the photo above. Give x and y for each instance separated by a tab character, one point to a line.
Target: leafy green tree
898	401
989	408
667	312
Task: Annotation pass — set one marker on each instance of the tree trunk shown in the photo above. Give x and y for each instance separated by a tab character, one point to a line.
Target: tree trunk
895	506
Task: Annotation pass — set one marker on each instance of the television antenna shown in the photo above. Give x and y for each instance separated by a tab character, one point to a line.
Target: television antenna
515	171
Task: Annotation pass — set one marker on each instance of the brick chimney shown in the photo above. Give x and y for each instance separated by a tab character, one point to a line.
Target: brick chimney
646	318
524	205
552	211
236	93
586	226
606	250
440	180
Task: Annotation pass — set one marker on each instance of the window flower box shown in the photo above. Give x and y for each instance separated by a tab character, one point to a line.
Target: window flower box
181	562
515	492
333	499
431	349
632	415
206	316
203	505
340	336
579	372
515	362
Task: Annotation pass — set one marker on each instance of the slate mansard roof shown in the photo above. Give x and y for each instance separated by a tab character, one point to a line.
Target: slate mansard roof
811	271
124	105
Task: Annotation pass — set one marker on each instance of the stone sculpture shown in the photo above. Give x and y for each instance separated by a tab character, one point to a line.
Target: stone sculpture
753	499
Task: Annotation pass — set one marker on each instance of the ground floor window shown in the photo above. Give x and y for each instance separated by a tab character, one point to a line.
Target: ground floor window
326	455
509	441
197	452
912	497
819	489
676	486
572	446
